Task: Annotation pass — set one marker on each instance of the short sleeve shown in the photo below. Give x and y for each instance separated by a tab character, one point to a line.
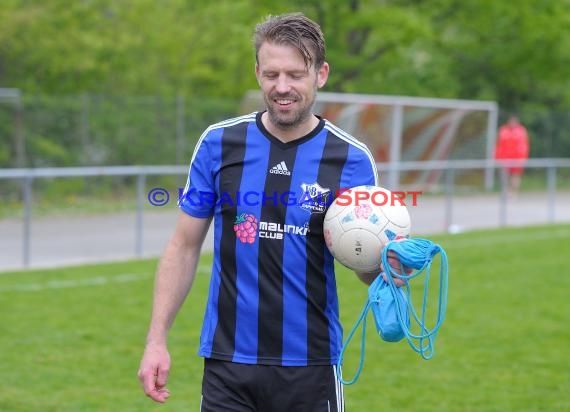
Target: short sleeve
365	171
199	195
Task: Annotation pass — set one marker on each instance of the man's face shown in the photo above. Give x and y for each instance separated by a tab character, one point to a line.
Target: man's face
289	87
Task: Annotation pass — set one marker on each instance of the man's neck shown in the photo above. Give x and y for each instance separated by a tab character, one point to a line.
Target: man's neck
288	135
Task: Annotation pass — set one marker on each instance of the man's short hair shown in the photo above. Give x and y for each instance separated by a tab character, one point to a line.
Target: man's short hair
296	30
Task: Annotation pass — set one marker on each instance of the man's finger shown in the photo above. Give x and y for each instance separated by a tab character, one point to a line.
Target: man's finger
162	377
398	282
396	265
148	380
157	392
160	395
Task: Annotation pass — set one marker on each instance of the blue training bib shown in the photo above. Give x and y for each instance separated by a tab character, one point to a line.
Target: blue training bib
392	306
383	305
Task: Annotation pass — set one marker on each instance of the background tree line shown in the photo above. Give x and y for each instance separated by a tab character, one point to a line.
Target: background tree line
516	53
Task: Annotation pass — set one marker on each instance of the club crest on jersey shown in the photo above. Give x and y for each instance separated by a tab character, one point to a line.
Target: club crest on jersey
314	198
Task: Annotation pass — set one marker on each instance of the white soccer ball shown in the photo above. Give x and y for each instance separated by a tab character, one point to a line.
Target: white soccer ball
360	222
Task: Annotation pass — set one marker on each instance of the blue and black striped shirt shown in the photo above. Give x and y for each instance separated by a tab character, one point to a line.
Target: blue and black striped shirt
273	297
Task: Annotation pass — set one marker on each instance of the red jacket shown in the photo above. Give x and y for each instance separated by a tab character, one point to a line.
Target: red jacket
512	142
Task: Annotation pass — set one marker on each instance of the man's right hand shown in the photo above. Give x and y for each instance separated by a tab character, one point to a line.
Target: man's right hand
153	372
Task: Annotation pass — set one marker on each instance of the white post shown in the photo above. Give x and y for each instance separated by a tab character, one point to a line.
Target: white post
492	125
395	147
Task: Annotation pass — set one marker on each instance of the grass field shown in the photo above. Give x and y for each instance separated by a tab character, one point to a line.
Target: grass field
71	339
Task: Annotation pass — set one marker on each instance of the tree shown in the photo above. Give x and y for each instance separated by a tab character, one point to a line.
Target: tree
138	47
514	53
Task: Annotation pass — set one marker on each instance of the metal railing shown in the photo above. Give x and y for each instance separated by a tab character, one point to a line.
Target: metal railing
449	169
27	177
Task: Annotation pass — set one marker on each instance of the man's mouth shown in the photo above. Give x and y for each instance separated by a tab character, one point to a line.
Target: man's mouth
284	102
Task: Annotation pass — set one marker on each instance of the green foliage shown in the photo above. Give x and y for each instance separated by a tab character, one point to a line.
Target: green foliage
132	47
98	130
6	134
505	53
485	49
72	337
440	48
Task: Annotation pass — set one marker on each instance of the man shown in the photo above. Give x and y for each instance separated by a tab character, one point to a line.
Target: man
513	145
271	334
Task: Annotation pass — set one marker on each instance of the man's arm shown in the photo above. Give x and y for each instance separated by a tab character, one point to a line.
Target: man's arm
174	278
367	278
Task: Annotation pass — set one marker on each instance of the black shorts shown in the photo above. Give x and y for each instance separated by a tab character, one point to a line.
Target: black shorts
238	387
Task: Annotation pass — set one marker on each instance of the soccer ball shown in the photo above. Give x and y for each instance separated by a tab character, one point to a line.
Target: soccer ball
360	222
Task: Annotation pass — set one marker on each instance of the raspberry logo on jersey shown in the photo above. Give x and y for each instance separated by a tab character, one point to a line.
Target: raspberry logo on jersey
245	227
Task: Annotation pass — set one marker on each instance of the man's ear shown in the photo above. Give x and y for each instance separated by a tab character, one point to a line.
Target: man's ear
323	75
258	74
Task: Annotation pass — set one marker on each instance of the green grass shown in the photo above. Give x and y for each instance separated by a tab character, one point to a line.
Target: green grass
71	339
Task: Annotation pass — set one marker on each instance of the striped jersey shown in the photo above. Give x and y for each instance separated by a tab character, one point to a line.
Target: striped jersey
272	297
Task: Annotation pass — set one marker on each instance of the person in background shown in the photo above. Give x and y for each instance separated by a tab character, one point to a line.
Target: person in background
513	150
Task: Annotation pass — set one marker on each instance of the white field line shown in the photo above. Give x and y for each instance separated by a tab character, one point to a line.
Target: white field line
93	281
498	239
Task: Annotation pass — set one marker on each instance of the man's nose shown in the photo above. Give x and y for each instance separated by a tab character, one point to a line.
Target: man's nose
282	85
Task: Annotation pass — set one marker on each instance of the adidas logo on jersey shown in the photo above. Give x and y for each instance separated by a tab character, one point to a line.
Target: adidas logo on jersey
280	169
